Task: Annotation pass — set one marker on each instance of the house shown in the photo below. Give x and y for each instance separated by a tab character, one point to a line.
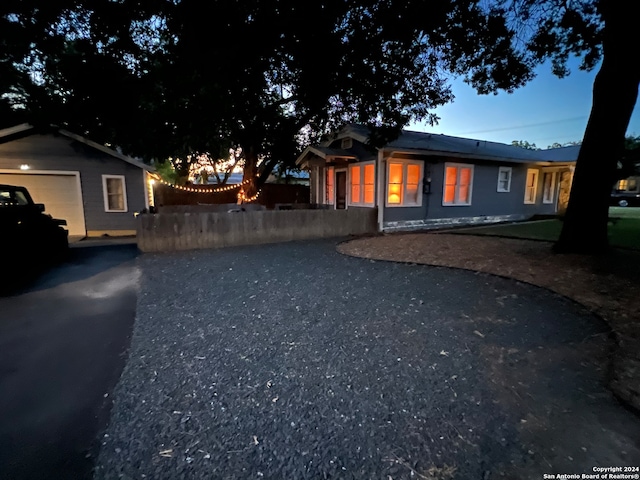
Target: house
96	189
423	180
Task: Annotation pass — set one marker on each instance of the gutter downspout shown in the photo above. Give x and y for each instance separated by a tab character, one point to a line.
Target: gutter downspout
381	181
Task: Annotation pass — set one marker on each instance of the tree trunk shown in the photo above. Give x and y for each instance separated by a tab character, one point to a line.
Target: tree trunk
615	91
249	174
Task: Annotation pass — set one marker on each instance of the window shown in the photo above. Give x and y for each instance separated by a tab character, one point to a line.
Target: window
403	187
548	185
354	174
504	179
627	185
115	193
458	181
346	143
531	187
362	180
328	187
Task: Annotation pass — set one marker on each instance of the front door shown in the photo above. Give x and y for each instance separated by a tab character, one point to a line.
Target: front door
341	190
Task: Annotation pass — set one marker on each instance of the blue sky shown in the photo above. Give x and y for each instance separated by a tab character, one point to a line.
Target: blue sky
546	110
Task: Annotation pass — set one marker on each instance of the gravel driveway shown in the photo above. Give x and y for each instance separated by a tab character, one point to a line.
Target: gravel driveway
292	361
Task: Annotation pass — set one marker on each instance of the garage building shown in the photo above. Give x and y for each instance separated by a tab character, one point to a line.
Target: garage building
96	189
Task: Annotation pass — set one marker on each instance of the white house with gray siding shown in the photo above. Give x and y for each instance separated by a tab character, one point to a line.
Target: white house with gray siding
96	189
423	180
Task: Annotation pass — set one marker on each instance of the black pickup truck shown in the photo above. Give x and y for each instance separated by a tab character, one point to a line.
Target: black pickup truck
29	238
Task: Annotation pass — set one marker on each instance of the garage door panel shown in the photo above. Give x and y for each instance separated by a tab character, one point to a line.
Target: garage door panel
59	193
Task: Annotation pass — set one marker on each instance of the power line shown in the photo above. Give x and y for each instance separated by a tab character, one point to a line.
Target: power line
572	119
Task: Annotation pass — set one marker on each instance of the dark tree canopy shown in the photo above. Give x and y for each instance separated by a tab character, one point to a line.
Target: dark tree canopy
177	78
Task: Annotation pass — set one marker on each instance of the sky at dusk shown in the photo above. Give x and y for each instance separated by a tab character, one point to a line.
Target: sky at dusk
546	110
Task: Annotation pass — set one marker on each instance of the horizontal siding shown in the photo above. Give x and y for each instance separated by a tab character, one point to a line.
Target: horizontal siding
485	199
57	152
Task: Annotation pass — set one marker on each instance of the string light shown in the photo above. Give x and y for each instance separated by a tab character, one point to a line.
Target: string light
244	198
226	188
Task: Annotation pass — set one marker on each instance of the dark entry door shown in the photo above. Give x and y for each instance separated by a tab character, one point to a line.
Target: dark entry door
341	190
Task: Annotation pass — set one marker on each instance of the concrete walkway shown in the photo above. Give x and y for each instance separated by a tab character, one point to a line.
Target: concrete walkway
292	361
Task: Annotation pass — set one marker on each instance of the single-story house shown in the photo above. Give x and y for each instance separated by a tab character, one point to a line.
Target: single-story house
422	180
96	189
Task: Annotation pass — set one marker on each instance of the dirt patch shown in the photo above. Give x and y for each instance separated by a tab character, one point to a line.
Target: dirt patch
608	285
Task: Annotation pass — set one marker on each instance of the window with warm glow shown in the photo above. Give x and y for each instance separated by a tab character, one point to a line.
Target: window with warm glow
403	186
504	179
115	193
531	186
548	184
369	184
329	190
458	183
361	184
355	184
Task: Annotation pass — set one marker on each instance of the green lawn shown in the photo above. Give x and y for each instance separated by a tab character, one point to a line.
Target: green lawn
624	230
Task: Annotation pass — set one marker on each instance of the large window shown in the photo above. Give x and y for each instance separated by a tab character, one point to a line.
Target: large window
403	187
504	179
458	182
548	187
329	192
115	193
531	187
362	183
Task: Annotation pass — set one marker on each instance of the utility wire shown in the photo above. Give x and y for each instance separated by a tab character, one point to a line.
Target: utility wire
524	126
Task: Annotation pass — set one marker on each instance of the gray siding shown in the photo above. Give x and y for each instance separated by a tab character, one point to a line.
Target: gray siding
485	199
57	152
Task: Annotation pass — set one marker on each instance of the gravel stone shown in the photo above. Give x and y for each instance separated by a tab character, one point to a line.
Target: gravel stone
293	361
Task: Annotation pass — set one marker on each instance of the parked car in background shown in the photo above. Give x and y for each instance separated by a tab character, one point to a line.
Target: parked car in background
28	236
626	192
625	199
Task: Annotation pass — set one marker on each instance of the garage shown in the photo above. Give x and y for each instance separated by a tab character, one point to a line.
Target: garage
59	191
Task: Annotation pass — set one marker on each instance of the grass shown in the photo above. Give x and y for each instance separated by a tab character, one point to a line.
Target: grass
624	230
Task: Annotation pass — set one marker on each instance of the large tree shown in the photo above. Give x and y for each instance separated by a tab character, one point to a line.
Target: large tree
181	78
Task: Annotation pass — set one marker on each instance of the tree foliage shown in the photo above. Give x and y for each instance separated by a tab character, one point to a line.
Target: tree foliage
181	78
524	144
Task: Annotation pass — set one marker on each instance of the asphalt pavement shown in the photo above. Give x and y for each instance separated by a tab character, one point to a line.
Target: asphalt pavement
63	344
293	361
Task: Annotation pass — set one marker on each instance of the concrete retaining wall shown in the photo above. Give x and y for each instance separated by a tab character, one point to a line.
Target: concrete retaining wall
187	231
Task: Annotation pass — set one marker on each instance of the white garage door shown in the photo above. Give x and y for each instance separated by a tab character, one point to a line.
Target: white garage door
59	193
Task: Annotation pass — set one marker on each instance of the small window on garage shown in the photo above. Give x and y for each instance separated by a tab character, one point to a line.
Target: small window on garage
115	193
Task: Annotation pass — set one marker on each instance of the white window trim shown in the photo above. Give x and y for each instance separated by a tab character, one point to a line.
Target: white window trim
106	196
552	190
362	203
444	184
535	186
504	169
404	163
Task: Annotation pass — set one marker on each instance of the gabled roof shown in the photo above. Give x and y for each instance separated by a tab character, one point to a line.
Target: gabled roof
438	144
25	127
431	144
